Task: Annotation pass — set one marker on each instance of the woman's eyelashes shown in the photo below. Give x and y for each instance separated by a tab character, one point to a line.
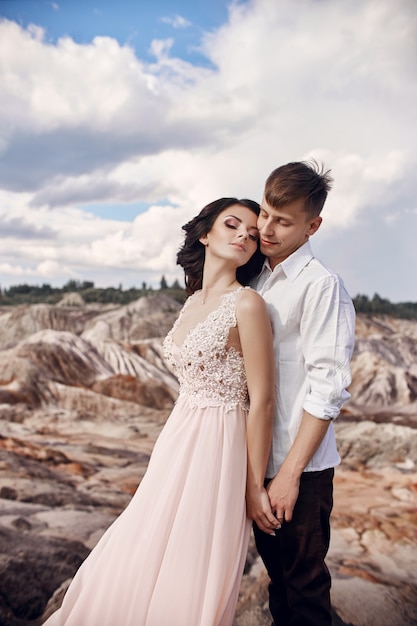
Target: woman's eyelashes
234	224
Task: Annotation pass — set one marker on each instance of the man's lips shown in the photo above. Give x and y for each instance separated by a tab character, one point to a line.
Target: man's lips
264	242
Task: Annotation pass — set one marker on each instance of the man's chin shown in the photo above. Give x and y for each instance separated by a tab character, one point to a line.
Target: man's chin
267	250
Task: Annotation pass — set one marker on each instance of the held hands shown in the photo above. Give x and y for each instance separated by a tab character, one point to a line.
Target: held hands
258	508
283	493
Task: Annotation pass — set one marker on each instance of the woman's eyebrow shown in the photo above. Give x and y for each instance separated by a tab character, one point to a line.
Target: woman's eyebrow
239	220
234	216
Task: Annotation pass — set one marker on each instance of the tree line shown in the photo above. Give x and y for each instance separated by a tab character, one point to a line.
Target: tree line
382	306
45	293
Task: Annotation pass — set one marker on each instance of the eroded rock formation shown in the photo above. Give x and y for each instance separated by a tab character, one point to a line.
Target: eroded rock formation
84	392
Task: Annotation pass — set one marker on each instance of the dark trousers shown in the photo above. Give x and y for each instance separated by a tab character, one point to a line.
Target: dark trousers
299	590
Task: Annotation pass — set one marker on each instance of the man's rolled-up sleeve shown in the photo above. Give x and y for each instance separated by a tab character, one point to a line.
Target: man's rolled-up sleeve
327	340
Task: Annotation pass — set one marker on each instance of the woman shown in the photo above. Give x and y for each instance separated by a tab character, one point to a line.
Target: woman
175	556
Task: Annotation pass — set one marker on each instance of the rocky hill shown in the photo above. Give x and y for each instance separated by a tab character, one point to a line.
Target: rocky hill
84	392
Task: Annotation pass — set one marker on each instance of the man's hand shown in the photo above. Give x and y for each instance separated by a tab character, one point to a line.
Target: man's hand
259	510
283	493
284	488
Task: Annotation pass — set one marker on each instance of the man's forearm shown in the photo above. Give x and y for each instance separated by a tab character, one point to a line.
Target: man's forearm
309	437
284	487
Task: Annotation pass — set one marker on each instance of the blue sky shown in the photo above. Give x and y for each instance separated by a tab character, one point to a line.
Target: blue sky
120	120
134	22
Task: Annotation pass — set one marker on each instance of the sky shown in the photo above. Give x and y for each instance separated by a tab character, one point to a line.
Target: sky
120	120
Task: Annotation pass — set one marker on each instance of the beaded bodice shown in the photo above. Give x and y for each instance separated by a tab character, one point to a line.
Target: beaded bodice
209	372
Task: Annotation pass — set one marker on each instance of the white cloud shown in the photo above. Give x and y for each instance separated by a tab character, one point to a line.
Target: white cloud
360	183
82	245
51	269
288	81
177	21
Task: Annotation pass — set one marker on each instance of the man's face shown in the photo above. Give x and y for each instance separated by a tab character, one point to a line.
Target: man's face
282	231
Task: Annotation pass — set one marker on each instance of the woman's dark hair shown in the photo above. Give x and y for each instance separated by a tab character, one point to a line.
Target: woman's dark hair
192	253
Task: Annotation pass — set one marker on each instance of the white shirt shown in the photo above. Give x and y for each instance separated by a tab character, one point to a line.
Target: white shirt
313	321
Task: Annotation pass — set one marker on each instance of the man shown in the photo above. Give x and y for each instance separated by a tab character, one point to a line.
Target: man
313	321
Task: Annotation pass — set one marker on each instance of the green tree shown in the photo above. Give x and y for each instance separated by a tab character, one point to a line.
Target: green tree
71	285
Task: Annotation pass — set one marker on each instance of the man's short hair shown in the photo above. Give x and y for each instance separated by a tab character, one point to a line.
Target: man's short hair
302	179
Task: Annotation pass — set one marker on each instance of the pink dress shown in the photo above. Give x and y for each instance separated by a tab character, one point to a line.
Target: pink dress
176	554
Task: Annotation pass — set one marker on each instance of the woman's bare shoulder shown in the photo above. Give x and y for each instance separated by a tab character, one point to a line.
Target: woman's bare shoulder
250	302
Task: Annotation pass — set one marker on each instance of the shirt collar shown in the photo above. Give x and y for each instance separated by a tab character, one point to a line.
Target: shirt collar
292	265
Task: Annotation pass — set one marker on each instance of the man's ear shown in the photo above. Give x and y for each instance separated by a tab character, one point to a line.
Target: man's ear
314	225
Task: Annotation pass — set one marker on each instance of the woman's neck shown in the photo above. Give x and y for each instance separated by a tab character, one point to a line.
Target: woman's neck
212	289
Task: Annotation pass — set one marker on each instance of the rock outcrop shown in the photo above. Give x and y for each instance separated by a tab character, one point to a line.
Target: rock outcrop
384	366
84	393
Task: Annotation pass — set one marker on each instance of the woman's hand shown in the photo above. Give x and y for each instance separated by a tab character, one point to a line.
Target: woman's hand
258	508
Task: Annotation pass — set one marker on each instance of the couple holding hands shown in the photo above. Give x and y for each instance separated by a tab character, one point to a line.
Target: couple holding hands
262	351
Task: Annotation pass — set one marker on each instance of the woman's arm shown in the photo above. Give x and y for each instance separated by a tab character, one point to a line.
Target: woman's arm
255	335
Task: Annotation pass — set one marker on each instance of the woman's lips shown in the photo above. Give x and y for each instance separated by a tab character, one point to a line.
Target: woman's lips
239	246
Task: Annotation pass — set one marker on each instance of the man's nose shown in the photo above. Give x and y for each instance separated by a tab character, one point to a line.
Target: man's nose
266	226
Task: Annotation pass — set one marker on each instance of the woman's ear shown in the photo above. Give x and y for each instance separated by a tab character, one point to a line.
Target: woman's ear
203	240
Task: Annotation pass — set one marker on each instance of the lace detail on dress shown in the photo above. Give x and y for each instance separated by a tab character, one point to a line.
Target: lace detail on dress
209	373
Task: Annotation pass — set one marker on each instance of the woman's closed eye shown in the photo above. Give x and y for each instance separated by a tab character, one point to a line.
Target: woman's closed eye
234	224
